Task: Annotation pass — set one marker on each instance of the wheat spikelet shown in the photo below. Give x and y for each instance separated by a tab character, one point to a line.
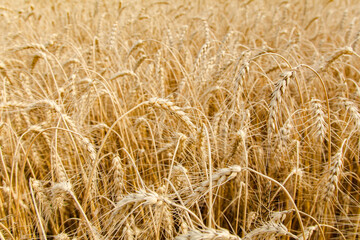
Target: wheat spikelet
58	194
72	83
333	57
171	107
118	177
343	19
142	197
3	70
201	57
45	103
220	53
276	67
170	37
349	30
93	174
337	163
100	25
183	140
202	147
207	234
13	104
284	136
36	58
128	232
136	45
179	176
159	71
224	132
278	217
35	46
353	111
9	193
356	40
139	62
98	127
239	137
218	178
60	189
59	170
3	8
276	97
123	73
112	38
36	150
136	231
207	31
319	123
89	147
244	68
25	79
70	61
42	198
216	121
181	38
165	217
308	232
61	236
268	230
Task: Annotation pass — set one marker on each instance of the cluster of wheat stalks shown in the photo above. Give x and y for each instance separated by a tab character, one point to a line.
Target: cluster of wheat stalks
180	120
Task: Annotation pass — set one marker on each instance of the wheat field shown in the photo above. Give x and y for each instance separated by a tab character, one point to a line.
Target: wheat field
180	119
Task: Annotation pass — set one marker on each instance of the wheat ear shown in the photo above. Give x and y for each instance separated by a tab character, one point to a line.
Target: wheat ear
319	124
337	163
118	177
66	187
353	111
220	177
276	97
269	230
207	234
167	105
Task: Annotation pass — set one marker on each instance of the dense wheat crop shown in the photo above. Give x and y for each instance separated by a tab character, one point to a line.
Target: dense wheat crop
180	119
